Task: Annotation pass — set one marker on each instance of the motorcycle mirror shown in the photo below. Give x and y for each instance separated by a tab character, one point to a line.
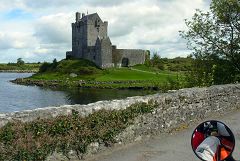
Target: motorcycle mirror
213	141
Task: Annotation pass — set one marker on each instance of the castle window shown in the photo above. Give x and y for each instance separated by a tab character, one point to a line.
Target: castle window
96	23
94	57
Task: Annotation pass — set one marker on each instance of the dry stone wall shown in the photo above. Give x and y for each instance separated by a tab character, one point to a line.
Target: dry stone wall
178	109
174	107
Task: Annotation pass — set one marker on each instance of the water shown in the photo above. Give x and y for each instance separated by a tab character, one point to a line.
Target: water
18	97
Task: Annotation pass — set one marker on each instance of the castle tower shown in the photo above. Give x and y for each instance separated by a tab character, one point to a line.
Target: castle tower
90	41
85	32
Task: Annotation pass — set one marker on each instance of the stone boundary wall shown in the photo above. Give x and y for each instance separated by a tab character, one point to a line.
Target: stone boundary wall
174	107
175	110
180	108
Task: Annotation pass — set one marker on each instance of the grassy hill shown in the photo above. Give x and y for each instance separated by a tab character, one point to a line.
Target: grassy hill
86	70
82	69
177	64
83	73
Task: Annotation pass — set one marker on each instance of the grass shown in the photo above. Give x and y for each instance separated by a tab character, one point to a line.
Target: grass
129	74
87	70
145	68
26	66
76	66
177	64
139	76
38	139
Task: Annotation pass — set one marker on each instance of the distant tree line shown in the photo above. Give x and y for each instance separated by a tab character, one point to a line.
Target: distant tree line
174	64
48	66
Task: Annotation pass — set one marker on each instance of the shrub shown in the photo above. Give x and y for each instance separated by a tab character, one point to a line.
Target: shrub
87	71
36	140
44	67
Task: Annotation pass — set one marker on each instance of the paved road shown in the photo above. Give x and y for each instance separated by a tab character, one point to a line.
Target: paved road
174	147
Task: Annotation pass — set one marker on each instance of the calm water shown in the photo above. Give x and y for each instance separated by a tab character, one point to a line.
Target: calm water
18	97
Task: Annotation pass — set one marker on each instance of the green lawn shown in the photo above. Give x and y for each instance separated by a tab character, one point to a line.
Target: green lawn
129	74
145	68
113	74
14	66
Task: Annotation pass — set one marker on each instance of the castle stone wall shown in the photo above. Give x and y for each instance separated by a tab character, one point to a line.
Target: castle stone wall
106	50
79	39
135	56
96	28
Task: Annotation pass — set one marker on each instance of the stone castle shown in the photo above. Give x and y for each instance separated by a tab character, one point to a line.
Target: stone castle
90	41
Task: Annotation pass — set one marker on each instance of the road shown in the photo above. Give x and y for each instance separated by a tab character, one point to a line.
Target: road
175	147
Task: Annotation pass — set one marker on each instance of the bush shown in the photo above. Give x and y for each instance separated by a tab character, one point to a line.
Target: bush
210	72
86	71
78	66
36	140
44	67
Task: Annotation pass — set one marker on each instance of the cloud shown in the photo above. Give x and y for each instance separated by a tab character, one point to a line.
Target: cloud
145	24
62	3
155	26
53	29
15	40
10	4
46	3
17	14
46	54
106	2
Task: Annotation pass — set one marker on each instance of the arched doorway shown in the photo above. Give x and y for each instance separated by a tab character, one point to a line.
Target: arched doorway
125	62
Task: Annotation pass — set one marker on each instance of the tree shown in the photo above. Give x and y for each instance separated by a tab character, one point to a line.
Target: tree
44	67
156	61
54	64
20	61
214	38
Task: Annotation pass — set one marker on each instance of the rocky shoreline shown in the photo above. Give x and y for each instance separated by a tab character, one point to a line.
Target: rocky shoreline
85	84
40	83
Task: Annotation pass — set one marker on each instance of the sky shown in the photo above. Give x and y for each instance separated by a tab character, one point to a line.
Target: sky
38	31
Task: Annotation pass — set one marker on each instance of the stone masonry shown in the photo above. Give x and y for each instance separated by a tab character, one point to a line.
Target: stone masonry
174	107
90	41
175	110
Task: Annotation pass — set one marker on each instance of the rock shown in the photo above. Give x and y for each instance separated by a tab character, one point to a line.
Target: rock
93	148
73	75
